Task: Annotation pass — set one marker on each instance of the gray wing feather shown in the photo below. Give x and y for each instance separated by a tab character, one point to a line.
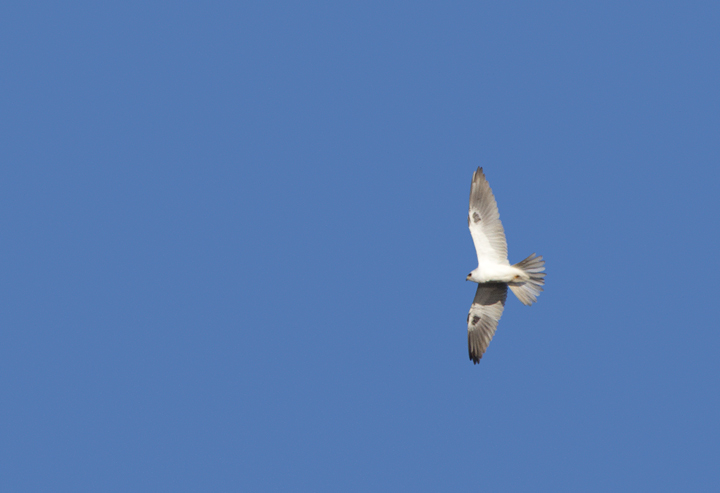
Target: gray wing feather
484	221
483	318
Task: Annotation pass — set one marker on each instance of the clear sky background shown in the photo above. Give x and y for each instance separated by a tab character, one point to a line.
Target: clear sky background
234	246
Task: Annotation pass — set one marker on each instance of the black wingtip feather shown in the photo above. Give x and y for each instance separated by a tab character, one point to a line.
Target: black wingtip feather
474	351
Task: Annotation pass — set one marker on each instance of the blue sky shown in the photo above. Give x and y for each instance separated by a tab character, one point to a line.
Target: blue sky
235	245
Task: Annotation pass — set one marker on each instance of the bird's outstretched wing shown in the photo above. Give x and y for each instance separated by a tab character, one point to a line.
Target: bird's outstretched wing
484	222
483	318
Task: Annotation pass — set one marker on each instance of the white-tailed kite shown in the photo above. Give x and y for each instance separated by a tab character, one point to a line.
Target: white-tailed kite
494	273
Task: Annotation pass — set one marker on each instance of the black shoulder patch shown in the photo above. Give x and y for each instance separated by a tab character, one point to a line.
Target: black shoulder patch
475	319
476	217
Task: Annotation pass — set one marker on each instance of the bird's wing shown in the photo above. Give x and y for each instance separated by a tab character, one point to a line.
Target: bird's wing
484	222
483	318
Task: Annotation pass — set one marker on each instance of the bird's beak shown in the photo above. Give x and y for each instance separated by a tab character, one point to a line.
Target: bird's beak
468	277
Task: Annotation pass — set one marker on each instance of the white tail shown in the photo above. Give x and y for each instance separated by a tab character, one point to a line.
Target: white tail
528	291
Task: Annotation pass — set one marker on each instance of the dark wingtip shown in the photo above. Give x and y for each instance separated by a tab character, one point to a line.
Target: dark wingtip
473	350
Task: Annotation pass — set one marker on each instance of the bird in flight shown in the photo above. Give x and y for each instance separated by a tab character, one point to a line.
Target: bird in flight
494	273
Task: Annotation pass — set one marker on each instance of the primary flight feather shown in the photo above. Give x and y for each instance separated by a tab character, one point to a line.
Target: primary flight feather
494	273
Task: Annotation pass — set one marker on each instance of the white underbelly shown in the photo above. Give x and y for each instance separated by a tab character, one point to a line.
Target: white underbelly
498	272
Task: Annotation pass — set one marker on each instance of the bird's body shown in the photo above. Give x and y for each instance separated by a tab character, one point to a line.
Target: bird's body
494	273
